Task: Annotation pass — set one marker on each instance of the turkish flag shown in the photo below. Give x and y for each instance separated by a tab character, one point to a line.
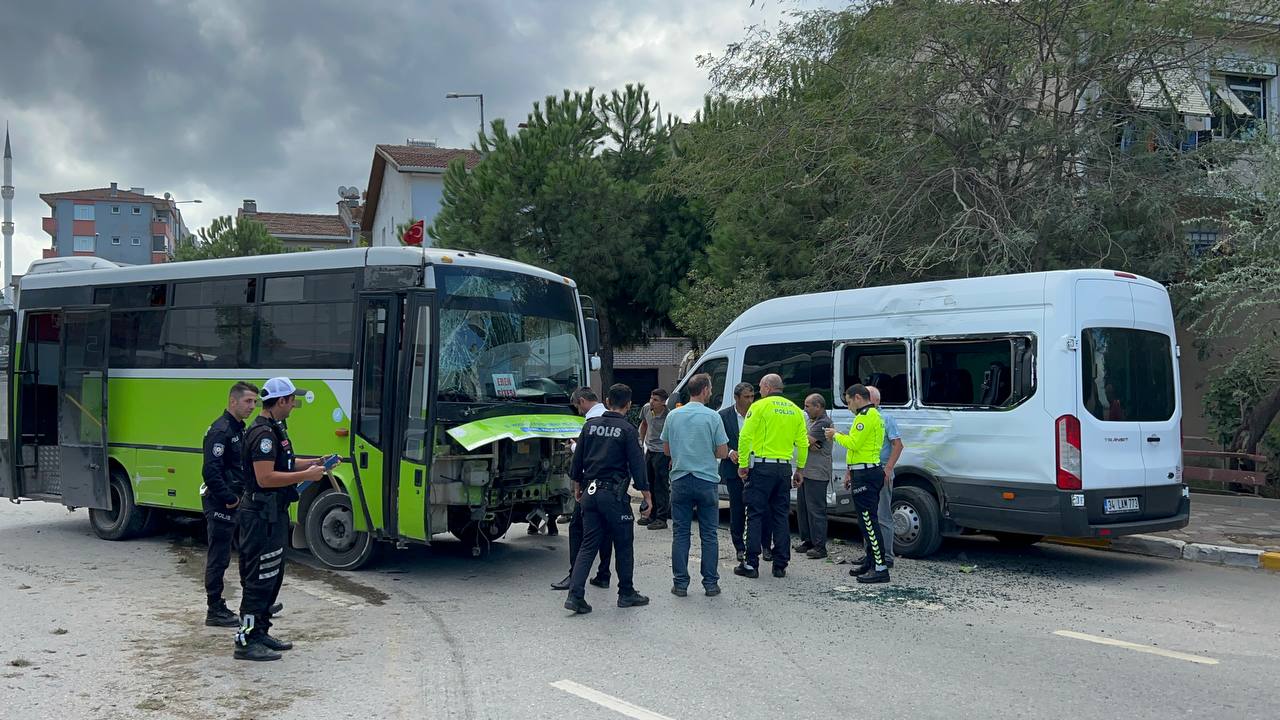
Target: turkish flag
415	233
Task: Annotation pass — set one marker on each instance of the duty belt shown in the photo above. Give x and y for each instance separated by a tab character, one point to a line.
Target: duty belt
770	461
864	466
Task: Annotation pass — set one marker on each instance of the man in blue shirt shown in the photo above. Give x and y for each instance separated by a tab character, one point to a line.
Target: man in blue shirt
889	454
694	438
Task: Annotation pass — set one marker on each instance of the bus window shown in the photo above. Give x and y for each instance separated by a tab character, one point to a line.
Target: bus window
979	373
415	439
1128	375
306	335
805	368
208	337
718	369
372	362
883	365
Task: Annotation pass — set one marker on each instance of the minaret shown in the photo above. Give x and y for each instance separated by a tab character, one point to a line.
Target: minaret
7	227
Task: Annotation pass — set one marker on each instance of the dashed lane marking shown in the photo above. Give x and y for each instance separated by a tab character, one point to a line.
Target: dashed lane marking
1136	647
607	701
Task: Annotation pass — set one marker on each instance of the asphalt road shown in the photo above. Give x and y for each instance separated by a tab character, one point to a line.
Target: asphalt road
94	629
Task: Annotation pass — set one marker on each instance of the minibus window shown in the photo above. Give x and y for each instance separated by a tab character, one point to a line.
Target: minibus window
987	373
718	369
1127	375
805	367
884	366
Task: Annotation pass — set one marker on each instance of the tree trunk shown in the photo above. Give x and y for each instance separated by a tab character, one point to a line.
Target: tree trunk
1256	423
606	350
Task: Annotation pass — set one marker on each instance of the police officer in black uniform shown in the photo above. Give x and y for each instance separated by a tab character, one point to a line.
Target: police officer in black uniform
224	469
264	518
608	455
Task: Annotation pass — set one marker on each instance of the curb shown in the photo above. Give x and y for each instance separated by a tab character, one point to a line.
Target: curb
1162	547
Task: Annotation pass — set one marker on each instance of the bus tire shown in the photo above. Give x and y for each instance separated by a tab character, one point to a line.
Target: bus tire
331	535
923	522
124	519
1017	539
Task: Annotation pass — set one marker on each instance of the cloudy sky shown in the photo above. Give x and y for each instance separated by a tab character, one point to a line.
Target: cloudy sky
283	101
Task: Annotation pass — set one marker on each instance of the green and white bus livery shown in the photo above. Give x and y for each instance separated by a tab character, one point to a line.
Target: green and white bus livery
442	377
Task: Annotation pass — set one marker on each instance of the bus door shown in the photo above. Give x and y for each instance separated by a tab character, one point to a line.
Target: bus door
8	477
61	433
378	349
408	489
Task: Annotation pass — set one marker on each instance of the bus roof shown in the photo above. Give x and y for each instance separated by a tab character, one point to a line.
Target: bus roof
975	292
94	271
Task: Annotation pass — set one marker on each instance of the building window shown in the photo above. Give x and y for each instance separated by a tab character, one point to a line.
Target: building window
158	243
137	210
1200	242
1240	107
115	209
83	212
115	240
137	241
82	243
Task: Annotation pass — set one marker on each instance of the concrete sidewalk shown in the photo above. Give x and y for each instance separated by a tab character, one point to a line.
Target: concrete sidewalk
1232	521
1231	530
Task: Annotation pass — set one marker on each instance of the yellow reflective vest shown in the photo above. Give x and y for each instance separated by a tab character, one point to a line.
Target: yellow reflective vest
865	437
773	429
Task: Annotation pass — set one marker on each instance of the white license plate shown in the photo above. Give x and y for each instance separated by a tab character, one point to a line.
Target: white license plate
1120	505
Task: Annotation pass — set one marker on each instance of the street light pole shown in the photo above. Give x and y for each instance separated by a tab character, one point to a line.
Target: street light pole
478	96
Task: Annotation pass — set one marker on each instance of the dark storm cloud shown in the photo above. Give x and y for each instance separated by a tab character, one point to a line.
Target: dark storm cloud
283	102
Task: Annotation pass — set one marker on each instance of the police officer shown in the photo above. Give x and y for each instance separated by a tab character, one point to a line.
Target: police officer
608	454
773	432
264	518
223	472
865	478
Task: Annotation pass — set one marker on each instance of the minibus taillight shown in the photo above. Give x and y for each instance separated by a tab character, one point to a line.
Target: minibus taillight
1068	452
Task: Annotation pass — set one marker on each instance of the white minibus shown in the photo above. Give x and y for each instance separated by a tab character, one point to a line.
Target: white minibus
1030	405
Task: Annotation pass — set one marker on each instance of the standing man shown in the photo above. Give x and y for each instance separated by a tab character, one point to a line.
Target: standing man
588	405
865	478
732	417
773	432
223	473
264	518
653	417
811	491
607	458
694	438
889	454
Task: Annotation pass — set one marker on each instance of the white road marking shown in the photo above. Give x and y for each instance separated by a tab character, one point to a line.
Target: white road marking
1139	648
615	704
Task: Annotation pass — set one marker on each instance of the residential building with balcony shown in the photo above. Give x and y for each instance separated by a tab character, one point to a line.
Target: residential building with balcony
127	227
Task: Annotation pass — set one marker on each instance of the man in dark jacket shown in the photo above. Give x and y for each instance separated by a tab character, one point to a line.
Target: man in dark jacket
223	473
733	417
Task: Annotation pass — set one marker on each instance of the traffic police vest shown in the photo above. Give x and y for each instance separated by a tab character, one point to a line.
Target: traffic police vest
773	429
865	437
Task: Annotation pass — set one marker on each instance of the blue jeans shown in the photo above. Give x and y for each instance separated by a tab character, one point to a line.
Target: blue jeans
689	495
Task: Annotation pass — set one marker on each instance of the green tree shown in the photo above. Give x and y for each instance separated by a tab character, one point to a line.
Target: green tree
572	191
1235	296
704	307
229	237
929	138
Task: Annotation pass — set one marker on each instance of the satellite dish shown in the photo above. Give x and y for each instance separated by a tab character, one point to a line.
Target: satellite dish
167	196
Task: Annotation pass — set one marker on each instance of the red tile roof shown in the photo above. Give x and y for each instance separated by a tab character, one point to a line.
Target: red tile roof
104	195
419	156
317	226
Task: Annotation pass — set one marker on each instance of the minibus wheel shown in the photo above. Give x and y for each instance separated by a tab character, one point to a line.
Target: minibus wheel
123	519
916	522
332	535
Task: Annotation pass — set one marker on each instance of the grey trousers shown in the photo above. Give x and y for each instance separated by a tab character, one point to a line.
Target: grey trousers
884	513
811	512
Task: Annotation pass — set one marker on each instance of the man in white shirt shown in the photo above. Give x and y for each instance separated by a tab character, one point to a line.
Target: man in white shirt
588	405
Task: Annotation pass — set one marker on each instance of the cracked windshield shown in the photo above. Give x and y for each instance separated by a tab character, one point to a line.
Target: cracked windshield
507	337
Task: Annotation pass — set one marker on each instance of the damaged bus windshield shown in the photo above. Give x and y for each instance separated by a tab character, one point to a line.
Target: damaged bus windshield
505	336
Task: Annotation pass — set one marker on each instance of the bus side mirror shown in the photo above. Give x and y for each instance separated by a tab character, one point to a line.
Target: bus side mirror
592	326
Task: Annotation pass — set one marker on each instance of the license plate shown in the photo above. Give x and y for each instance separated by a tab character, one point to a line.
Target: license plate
1120	505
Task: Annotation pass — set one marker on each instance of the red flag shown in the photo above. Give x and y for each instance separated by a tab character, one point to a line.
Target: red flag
415	233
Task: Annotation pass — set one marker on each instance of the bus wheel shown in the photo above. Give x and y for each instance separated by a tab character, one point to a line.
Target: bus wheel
916	522
1017	539
332	535
124	519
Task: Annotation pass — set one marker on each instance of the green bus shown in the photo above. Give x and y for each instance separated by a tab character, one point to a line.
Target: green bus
442	377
